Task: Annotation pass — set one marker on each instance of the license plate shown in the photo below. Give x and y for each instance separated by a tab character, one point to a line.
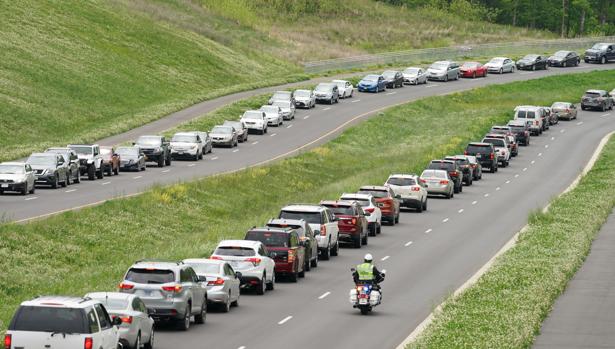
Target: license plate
4	186
363	301
180	152
478	155
361	296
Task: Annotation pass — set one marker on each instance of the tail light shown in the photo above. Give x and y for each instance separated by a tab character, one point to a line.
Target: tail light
369	209
8	340
465	152
291	256
416	188
353	221
255	261
386	204
124	286
444	181
323	230
217	282
491	156
454	174
216	258
126	319
536	122
172	288
473	165
88	343
422	180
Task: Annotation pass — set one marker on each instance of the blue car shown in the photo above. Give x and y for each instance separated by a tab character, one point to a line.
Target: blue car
372	83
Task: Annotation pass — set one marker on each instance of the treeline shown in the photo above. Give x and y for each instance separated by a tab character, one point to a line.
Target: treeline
569	18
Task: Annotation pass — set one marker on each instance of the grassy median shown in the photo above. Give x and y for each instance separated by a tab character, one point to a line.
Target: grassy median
90	249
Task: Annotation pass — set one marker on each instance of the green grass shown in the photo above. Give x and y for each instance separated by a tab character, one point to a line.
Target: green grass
90	249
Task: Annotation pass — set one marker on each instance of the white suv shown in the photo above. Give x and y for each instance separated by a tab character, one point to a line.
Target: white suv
408	190
322	221
255	120
62	322
369	205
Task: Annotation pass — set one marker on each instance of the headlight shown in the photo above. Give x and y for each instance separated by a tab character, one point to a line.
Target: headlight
194	146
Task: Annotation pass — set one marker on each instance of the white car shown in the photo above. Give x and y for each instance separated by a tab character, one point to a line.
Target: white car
438	182
62	322
408	190
500	65
17	176
255	120
186	144
344	88
273	115
305	99
287	108
251	259
501	149
137	328
532	116
205	141
282	96
369	205
414	76
322	221
223	283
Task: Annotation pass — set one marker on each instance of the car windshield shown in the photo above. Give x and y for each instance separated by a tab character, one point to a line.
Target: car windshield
112	303
270	108
252	115
375	193
127	151
149	140
150	276
371	78
303	93
184	139
433	174
310	217
222	130
559	105
323	87
235	251
205	268
82	149
411	71
389	74
401	181
50	319
270	238
496	142
560	54
42	160
600	46
470	65
282	104
592	94
526	114
341	210
439	66
361	202
530	57
496	60
12	169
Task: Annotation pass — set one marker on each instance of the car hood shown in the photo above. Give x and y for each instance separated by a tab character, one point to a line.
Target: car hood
320	93
285	110
221	135
553	58
13	177
42	167
410	76
183	144
525	61
367	82
494	64
436	71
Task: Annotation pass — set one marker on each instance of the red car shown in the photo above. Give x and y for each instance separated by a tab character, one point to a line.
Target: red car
385	198
284	247
473	70
351	221
111	160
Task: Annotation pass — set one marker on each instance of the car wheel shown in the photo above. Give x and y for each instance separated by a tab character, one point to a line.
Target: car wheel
202	315
271	284
78	178
474	75
326	253
226	307
604	107
379	228
501	71
56	183
67	181
356	242
91	173
446	78
33	190
168	160
161	162
307	265
456	189
150	343
336	249
449	195
184	323
602	60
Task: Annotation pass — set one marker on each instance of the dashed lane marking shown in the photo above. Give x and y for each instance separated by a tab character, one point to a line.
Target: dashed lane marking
306	117
474	202
324	295
579	123
408	243
285	320
215	158
31	198
70	190
137	177
445	220
166	171
524	169
236	150
428	231
385	258
356	101
255	143
289	126
460	210
498	188
105	183
273	134
486	195
191	165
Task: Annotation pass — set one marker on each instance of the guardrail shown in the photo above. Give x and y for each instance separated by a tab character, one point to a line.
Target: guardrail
454	53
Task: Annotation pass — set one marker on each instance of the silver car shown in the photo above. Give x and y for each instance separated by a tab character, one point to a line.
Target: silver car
223	282
444	71
16	176
414	76
273	115
242	130
224	136
438	182
282	96
287	108
500	65
137	328
327	92
205	140
186	144
305	99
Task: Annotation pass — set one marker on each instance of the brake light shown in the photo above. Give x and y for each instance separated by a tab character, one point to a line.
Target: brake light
465	152
291	256
8	340
88	343
444	181
217	282
422	180
216	258
416	188
369	209
353	221
172	288
255	261
323	230
536	122
454	174
124	286
126	319
491	156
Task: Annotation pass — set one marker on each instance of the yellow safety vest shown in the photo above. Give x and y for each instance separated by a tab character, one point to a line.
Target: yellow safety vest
365	271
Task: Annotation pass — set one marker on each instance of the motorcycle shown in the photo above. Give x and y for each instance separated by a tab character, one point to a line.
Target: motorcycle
366	296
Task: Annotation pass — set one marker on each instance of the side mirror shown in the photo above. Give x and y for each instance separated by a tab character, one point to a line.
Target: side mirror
238	275
201	278
117	321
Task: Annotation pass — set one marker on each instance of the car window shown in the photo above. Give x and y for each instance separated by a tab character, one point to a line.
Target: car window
142	306
294	240
269	238
236	251
341	210
375	193
309	217
478	149
184	276
400	181
262	251
192	274
54	319
92	321
149	276
103	317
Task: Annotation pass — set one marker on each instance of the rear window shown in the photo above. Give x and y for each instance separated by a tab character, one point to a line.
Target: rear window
310	217
560	105
378	194
495	142
526	114
268	238
49	319
150	276
592	94
460	161
399	181
362	203
517	128
114	304
441	166
236	251
205	268
432	174
478	149
342	210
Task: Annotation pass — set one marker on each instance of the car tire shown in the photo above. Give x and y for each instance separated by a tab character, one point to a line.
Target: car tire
314	262
425	205
167	161
262	286
33	190
150	343
336	249
379	228
226	307
357	242
446	78
534	68
184	323
457	189
325	254
137	342
270	286
603	107
160	162
202	315
68	182
307	266
420	208
91	173
602	60
501	71
78	178
100	174
449	195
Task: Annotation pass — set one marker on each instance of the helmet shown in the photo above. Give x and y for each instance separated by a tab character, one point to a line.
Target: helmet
368	258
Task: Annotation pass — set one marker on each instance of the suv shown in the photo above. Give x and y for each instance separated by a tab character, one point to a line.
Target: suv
284	247
484	153
327	92
255	120
408	191
506	131
305	234
465	167
600	53
453	171
62	322
532	116
171	290
597	99
156	149
502	149
386	201
564	110
111	160
71	162
323	223
370	210
186	144
48	169
90	160
351	221
511	142
521	130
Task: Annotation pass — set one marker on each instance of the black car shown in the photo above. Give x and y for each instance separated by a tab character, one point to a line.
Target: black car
564	59
48	169
484	153
521	130
602	52
453	169
131	158
464	164
393	78
156	149
532	62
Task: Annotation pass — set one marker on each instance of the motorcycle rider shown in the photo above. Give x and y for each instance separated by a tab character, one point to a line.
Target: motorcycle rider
367	273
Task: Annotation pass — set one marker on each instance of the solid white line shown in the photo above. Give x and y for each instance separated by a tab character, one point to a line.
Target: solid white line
327	108
70	190
408	243
105	183
273	134
498	188
165	171
445	220
136	177
486	195
579	123
236	150
356	100
289	126
508	181
324	295
428	231
533	162
32	198
191	165
474	202
215	158
391	93
385	258
255	143
283	321
306	117
460	210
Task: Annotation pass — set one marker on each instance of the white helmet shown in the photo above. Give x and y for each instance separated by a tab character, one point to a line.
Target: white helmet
368	257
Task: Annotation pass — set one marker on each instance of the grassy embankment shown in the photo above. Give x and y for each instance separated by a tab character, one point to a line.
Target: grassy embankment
90	249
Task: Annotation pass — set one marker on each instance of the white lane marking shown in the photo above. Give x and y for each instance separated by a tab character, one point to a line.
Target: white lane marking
546	146
516	175
604	115
242	347
284	320
70	190
533	162
385	258
324	295
474	202
255	143
486	195
289	126
306	117
391	93
428	231
236	150
137	177
215	158
498	188
579	123
408	243
460	210
445	220
273	134
32	198
508	181
562	131
524	169
552	138
191	165
356	100
327	108
105	183
539	154
165	171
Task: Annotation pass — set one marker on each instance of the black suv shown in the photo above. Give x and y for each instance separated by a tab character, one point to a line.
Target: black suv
454	171
464	164
521	131
601	52
156	149
484	153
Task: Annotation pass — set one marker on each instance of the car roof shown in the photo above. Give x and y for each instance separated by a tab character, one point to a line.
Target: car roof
532	107
402	175
441	161
344	81
443	62
110	295
240	243
44	154
356	196
455	157
480	144
203	261
60	302
303	208
430	169
337	202
157	264
286	92
495	135
500	127
595	91
184	134
281	221
273	229
13	163
374	187
60	148
500	57
82	145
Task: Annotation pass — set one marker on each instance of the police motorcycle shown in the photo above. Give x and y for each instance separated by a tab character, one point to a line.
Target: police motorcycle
366	295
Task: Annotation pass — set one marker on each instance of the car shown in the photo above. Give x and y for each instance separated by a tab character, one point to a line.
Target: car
305	234
322	221
351	221
48	169
513	147
512	138
90	160
241	129
602	52
344	87
501	149
132	158
454	172
111	160
282	96
224	136
305	99
597	99
284	247
62	322
255	120
186	145
251	259
287	109
444	71
371	209
385	200
223	282
500	65
71	162
564	59
521	130
438	182
466	170
408	191
533	118
327	92
171	290
273	115
393	78
156	149
372	83
473	70
477	169
484	153
564	110
206	141
137	328
415	76
17	176
532	62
